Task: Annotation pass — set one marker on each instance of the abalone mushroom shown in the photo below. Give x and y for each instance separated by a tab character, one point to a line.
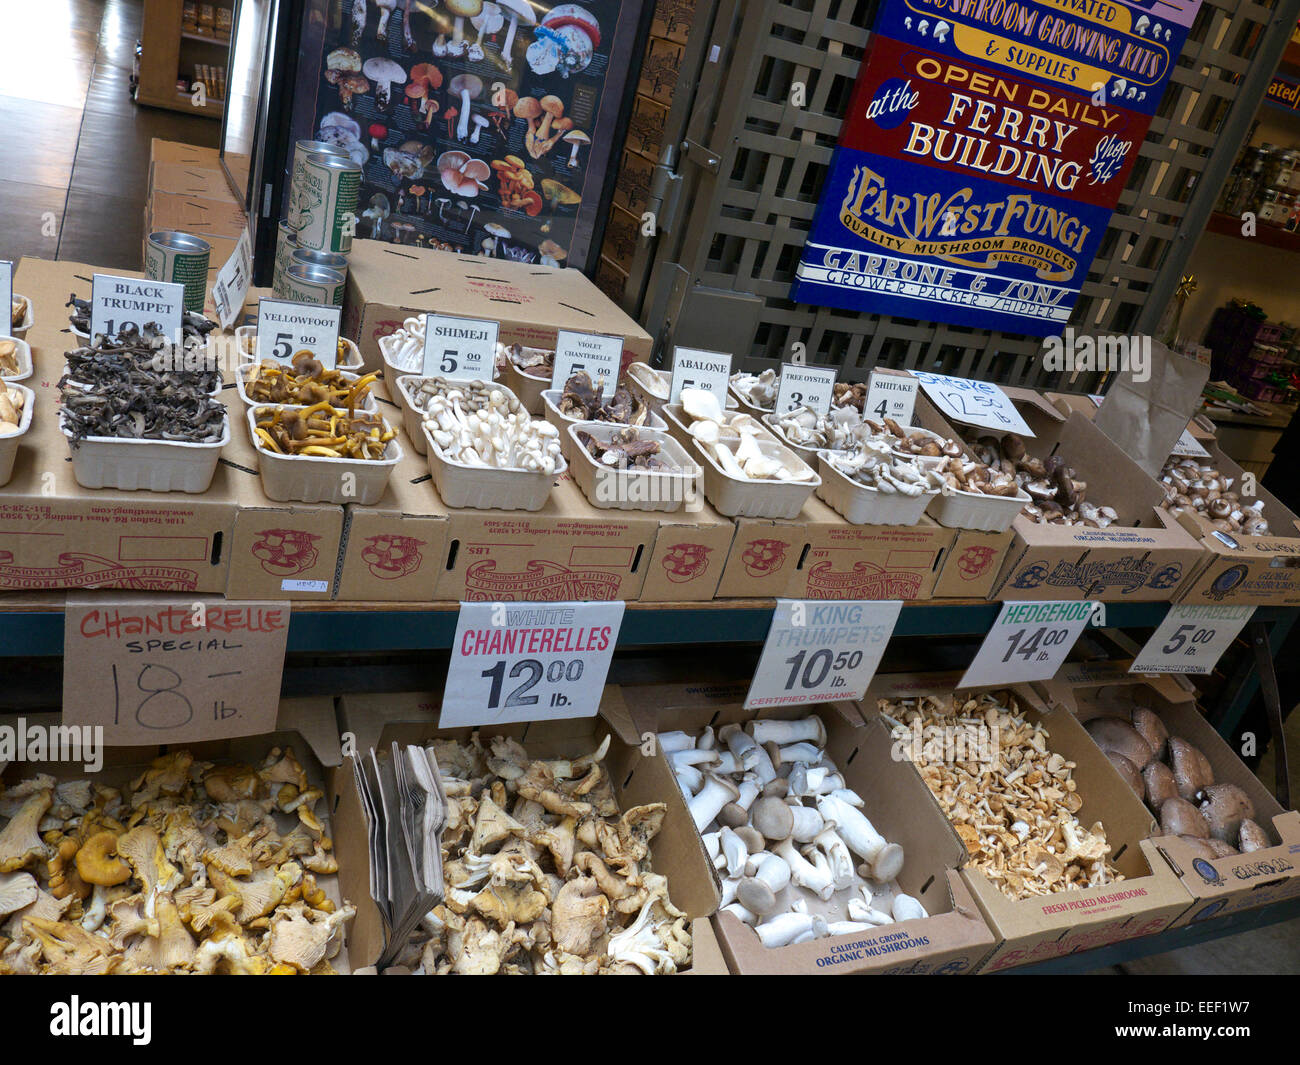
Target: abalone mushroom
383	72
469	88
517	11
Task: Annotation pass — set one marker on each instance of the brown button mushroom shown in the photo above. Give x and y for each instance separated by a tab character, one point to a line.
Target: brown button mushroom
1132	777
1200	848
1114	735
1252	837
1178	817
1160	784
1152	729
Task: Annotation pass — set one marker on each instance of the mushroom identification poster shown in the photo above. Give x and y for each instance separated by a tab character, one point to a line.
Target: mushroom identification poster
986	145
483	127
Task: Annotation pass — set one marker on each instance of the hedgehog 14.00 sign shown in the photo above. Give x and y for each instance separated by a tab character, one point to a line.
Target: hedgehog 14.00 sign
986	145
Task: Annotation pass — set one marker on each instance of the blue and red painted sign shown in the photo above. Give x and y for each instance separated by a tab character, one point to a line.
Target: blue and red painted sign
976	190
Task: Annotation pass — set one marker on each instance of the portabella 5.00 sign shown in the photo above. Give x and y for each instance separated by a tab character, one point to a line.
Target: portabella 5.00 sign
986	145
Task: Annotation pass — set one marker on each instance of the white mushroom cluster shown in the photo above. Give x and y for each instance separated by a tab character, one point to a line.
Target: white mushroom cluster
734	441
1192	485
404	349
841	429
876	465
475	424
543	874
189	868
798	857
758	390
655	382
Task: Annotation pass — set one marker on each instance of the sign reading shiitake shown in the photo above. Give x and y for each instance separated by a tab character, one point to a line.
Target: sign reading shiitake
285	328
117	303
459	349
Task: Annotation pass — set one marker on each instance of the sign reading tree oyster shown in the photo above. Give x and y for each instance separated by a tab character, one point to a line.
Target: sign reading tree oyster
986	145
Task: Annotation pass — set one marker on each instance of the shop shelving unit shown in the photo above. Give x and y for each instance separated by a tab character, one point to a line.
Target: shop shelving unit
168	50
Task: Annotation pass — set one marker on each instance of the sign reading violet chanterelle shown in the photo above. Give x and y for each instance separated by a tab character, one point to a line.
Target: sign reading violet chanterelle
986	145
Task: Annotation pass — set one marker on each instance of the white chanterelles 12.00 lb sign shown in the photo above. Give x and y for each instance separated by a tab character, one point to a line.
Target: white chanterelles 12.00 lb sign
529	661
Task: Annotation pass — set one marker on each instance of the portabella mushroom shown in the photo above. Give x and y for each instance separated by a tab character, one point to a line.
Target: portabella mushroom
1178	817
1225	807
1192	770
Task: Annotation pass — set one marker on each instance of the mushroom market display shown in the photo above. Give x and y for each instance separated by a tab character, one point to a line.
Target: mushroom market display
1057	496
626	450
733	441
1215	819
535	362
758	390
11	409
8	356
305	382
1194	485
17	311
190	867
114	389
322	431
581	400
543	872
478	425
1015	813
876	465
797	854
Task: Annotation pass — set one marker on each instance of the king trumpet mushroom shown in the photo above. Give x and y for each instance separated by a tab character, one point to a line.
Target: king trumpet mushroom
797	822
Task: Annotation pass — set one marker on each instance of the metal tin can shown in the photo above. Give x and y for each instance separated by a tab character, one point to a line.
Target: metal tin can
327	203
182	260
308	283
301	150
286	243
331	260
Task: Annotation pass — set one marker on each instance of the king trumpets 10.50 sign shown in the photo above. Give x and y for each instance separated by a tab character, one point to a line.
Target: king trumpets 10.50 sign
986	145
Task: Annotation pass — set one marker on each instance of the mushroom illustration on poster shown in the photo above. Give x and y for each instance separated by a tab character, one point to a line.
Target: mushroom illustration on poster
986	145
483	127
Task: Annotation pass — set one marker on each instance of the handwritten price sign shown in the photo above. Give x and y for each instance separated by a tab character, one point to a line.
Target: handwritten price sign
173	671
972	402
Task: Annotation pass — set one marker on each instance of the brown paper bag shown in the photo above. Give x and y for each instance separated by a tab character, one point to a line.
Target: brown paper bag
1146	418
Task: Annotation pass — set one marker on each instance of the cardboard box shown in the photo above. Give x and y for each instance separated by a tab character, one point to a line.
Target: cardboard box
307	725
953	939
388	283
200	215
1224	885
1040	927
971	565
380	720
161	151
1254	570
56	534
1140	558
277	550
821	556
659	70
187	179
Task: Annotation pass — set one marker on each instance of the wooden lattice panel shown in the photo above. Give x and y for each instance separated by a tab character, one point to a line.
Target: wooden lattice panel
746	229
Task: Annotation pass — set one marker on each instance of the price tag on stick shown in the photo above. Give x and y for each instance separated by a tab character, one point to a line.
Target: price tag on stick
600	356
529	661
460	349
805	386
972	402
1029	641
1191	639
818	651
7	294
891	396
230	288
153	671
285	328
693	368
118	302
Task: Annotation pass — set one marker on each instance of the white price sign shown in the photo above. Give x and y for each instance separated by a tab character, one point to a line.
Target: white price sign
529	661
1191	639
818	650
805	386
285	328
889	396
693	368
600	356
1029	641
1188	446
230	288
972	402
6	293
460	349
119	302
